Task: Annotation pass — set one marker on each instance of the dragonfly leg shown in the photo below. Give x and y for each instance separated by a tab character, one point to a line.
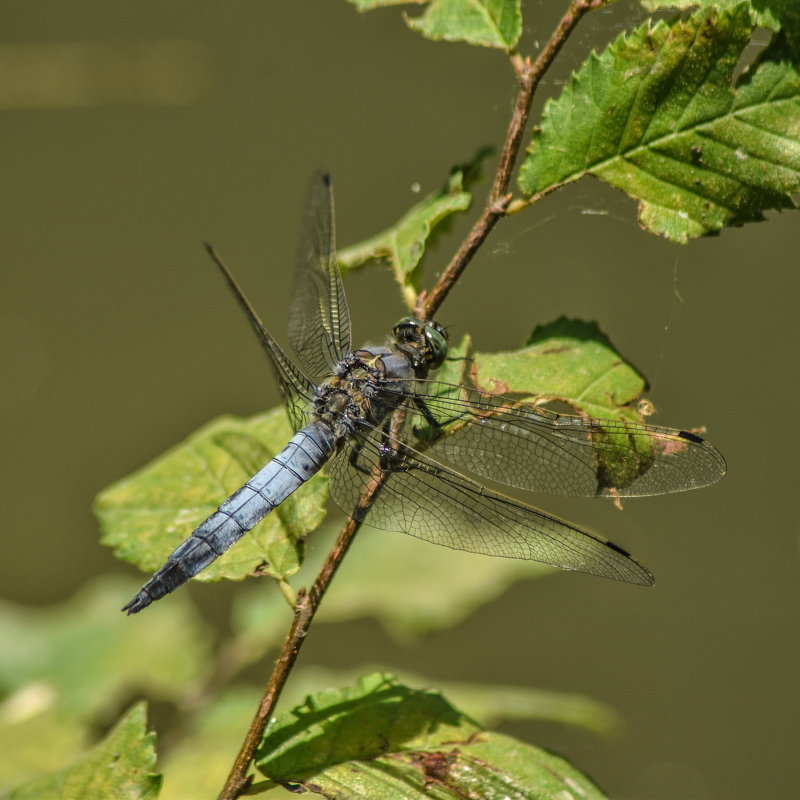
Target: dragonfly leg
436	427
355	454
388	455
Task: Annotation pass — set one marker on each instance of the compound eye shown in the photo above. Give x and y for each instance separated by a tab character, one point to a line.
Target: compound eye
402	325
436	337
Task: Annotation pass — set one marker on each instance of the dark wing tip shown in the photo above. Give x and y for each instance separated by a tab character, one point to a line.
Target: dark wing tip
720	465
632	571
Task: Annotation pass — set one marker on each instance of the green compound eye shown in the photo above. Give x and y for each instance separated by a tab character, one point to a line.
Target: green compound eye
436	337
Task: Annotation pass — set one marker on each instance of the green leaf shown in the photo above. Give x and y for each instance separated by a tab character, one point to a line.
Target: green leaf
767	13
339	725
568	360
573	362
458	363
403	244
489	23
380	739
146	516
120	767
655	116
83	659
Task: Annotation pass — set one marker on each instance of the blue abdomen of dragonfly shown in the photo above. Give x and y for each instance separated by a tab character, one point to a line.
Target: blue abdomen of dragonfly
302	458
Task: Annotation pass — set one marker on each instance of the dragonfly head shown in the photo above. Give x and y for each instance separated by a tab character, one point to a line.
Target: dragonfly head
429	338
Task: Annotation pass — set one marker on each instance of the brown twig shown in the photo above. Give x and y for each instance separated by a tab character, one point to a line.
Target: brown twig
305	609
529	74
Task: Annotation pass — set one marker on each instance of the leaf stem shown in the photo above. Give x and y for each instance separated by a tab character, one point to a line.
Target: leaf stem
529	75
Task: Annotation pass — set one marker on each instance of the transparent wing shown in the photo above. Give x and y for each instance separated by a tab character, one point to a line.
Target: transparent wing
422	497
296	389
540	450
319	321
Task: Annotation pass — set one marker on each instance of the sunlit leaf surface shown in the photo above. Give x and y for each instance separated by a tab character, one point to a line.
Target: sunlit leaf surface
655	115
380	739
568	360
490	23
403	244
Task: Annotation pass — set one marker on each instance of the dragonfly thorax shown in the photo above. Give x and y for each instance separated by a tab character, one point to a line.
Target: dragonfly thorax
339	405
366	386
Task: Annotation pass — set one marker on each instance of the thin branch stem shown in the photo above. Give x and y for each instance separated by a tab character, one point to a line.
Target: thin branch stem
305	609
529	74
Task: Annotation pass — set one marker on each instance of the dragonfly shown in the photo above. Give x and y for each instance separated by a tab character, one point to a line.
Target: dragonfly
420	450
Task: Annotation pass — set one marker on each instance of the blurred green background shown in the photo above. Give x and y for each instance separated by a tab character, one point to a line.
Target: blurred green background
132	132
